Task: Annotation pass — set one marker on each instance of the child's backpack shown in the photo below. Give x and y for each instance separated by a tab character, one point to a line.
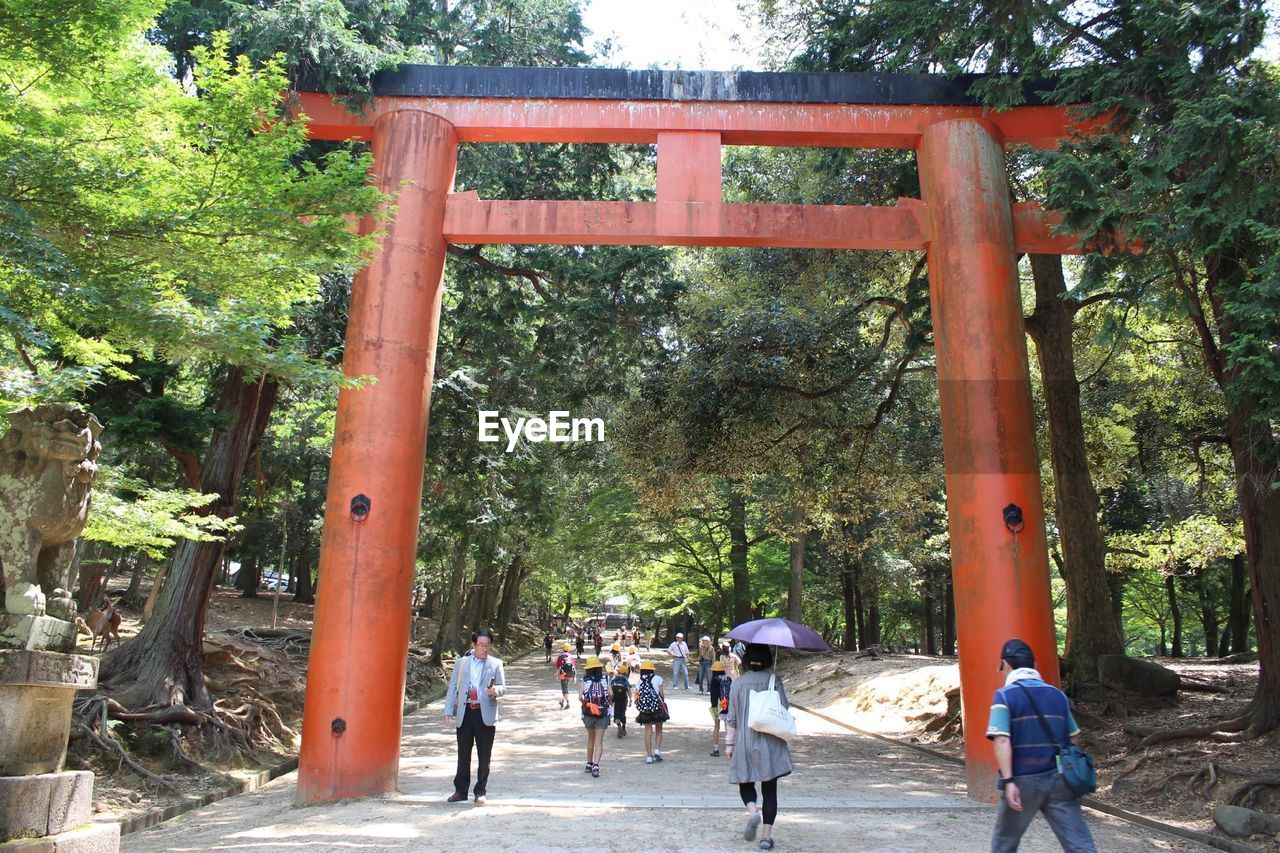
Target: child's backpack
726	684
596	694
566	667
621	686
647	700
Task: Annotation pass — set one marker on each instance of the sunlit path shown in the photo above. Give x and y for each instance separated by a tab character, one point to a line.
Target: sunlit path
847	789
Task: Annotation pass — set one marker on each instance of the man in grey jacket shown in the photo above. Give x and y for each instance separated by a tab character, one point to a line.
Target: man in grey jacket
472	706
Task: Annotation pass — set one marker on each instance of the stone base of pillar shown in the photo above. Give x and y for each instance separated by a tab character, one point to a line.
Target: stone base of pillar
37	632
43	807
94	838
36	692
45	804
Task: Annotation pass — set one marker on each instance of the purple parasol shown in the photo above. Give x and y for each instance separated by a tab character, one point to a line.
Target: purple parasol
779	632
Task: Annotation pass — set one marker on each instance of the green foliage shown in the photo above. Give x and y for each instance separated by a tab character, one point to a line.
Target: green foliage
130	515
180	233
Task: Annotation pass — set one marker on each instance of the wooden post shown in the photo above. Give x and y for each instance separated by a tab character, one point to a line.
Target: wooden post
1001	579
355	681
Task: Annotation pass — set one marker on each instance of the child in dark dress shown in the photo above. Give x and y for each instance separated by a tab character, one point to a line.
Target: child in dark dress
620	685
720	685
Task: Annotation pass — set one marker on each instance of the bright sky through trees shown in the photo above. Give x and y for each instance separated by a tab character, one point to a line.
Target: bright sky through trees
713	35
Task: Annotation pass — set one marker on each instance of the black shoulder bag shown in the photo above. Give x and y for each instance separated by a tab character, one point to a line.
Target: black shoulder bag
1075	765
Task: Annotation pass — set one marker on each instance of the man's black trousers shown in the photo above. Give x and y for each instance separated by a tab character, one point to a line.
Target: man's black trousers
473	731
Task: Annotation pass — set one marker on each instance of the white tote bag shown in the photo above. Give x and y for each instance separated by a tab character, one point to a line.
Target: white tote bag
767	716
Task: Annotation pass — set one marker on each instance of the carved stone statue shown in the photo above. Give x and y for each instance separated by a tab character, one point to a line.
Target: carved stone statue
46	472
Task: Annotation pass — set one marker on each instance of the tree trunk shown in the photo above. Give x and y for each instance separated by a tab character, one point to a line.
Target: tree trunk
133	595
92	580
795	590
516	574
490	586
1238	617
1254	456
949	616
448	634
848	587
872	597
1208	613
1115	588
304	592
250	578
1089	630
164	663
1259	499
930	643
738	551
859	604
149	607
473	608
1171	591
568	606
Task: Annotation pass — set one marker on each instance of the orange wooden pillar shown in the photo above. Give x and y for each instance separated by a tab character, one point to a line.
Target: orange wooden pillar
1001	581
355	680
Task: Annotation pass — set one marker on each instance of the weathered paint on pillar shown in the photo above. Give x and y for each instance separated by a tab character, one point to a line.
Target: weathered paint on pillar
988	432
355	679
689	166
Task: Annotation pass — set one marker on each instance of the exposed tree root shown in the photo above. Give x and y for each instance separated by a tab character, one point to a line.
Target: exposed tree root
1149	757
1247	794
92	722
1230	731
257	675
1202	686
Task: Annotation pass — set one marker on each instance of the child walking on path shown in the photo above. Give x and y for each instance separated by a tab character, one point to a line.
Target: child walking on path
620	684
565	671
594	696
651	708
719	688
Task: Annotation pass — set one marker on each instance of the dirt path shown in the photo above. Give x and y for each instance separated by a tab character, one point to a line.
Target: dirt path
847	790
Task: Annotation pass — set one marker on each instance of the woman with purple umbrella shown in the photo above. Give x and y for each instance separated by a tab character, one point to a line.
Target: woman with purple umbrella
757	757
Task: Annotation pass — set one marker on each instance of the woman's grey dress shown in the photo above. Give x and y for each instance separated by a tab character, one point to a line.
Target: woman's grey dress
756	757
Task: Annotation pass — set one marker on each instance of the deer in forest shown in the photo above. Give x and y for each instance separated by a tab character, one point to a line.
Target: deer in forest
102	624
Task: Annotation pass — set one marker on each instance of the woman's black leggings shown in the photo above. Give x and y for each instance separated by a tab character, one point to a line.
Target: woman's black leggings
769	789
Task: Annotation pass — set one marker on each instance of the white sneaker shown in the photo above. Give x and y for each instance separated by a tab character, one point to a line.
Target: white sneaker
657	755
648	759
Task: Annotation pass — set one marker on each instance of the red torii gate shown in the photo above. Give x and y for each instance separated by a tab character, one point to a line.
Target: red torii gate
355	685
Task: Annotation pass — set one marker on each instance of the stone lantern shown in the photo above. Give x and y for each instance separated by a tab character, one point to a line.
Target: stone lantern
46	475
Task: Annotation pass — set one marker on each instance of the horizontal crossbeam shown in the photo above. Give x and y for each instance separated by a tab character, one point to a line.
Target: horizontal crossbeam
470	219
617	122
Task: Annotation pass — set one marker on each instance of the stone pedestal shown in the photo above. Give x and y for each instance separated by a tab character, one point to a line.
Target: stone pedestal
37	632
43	807
36	691
93	838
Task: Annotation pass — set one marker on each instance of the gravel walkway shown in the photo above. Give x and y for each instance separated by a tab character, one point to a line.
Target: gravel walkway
848	793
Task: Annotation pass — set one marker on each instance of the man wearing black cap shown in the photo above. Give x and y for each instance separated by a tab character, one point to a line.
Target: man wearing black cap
1027	755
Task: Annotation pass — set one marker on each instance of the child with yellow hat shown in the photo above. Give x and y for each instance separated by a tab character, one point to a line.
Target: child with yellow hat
651	703
720	684
594	696
565	671
620	685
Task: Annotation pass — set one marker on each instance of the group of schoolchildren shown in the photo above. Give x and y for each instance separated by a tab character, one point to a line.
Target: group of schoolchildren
579	637
610	685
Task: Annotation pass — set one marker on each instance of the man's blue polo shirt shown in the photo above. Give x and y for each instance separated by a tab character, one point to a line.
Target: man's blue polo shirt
1012	715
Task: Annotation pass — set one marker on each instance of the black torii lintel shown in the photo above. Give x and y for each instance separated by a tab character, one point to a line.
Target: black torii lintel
773	87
